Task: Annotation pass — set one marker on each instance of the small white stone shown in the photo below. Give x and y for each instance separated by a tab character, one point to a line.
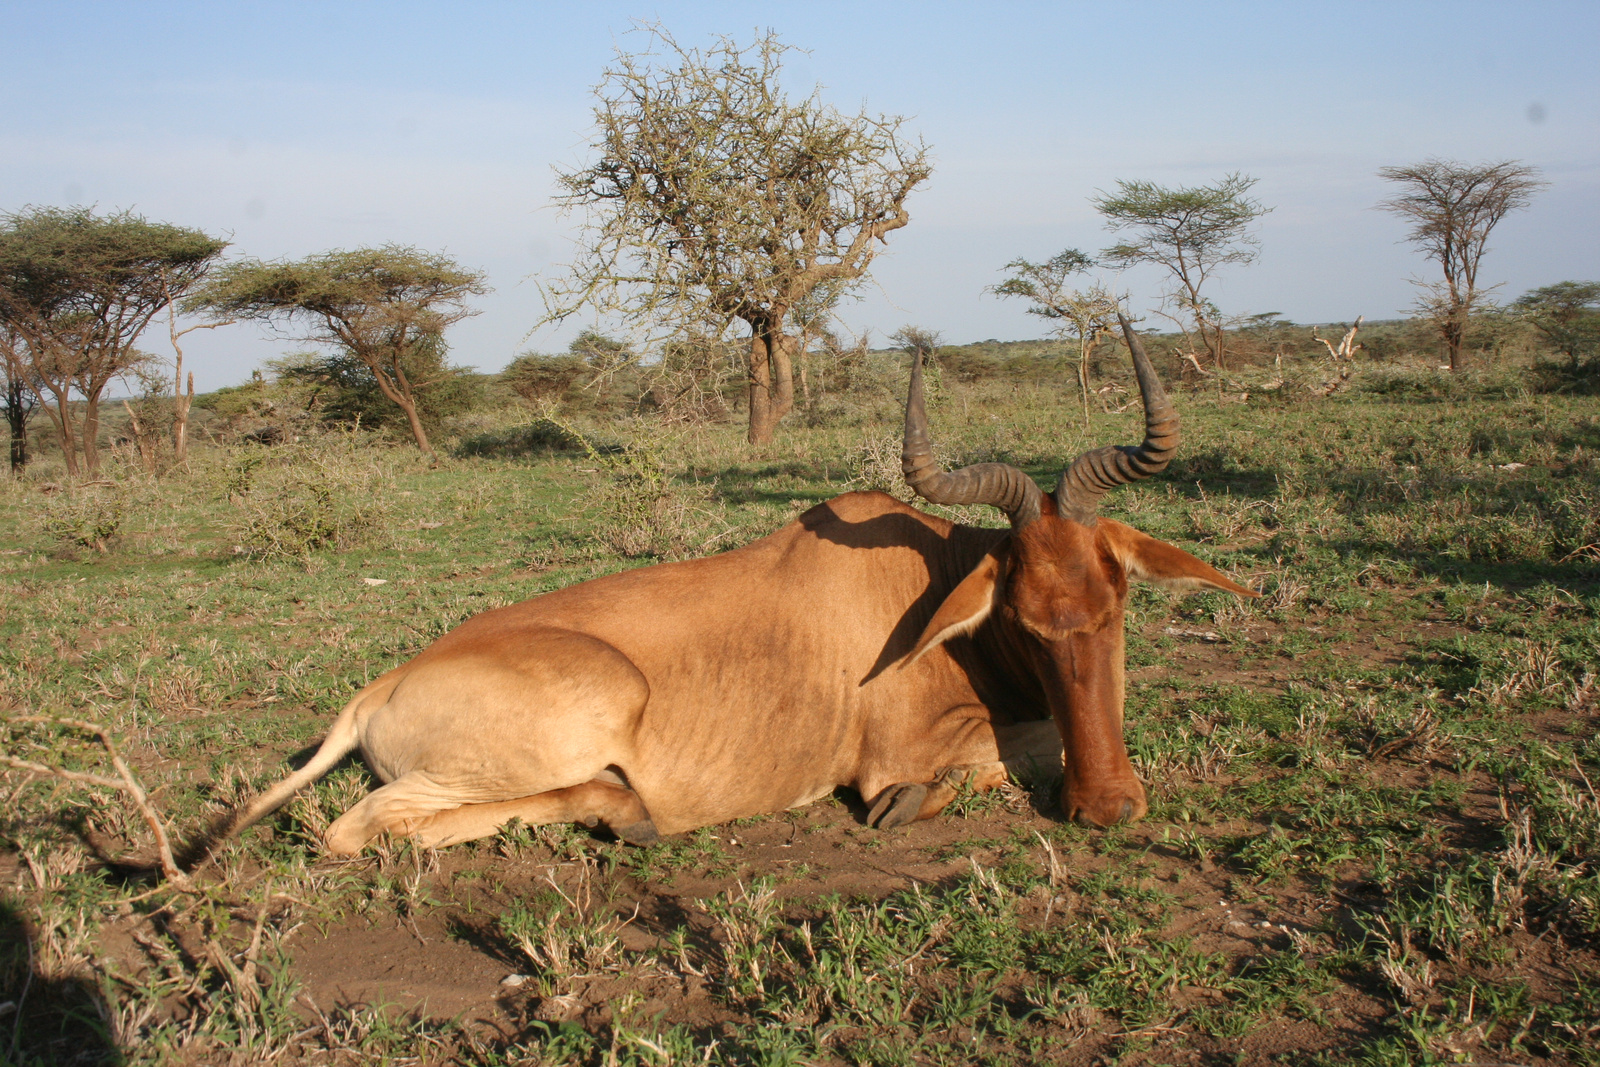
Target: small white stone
376	581
513	980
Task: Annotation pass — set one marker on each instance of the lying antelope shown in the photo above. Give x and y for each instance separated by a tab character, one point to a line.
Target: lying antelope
866	644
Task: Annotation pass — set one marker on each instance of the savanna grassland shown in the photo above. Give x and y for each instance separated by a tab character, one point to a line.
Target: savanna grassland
1374	834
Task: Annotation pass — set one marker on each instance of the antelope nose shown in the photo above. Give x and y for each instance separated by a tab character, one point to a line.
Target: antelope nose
1083	818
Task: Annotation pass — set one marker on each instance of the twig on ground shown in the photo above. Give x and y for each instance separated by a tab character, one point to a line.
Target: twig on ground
249	971
127	784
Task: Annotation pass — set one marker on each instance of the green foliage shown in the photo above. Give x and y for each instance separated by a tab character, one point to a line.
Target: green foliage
538	377
1081	314
1567	314
56	263
1207	224
344	391
641	508
302	498
393	292
601	354
385	309
540	437
77	289
1451	208
89	517
596	373
714	198
1189	231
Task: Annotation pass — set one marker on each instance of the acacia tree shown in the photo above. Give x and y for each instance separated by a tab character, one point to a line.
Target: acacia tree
79	289
1190	232
714	197
1083	315
380	306
1567	313
1451	208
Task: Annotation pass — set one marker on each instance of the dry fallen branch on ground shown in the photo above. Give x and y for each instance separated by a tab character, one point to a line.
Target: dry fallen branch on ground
1343	357
125	782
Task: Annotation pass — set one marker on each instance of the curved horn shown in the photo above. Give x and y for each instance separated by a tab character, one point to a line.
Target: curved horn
1100	470
998	484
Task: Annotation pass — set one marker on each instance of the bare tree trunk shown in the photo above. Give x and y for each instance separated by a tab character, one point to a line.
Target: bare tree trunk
398	390
1084	343
180	418
66	433
142	439
1453	329
17	417
180	402
1204	326
417	432
778	344
89	433
762	422
1343	357
771	379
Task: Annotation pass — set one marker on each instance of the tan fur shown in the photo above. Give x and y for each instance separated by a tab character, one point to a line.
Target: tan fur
867	644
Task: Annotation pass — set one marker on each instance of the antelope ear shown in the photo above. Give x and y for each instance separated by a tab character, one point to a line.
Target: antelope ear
965	608
1149	560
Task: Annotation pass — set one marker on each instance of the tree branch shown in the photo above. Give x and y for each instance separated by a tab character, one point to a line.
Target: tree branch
124	783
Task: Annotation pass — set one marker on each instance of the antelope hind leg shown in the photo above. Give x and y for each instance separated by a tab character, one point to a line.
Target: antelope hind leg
411	807
591	804
409	798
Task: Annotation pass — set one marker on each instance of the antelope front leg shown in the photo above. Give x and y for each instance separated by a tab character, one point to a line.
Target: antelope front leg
987	755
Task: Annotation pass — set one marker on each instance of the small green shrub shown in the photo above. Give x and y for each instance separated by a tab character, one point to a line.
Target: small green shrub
239	474
88	517
539	437
305	497
537	377
642	509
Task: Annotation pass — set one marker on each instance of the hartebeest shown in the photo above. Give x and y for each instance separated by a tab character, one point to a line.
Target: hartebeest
865	644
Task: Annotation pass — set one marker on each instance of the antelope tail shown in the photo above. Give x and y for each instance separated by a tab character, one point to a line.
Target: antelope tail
342	739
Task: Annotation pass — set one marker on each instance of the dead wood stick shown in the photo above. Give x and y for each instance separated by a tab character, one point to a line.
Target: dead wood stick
248	974
140	438
58	772
128	784
1343	357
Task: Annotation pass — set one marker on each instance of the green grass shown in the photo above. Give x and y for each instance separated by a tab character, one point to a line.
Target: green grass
1390	758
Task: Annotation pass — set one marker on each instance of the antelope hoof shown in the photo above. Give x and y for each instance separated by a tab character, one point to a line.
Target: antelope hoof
898	805
642	832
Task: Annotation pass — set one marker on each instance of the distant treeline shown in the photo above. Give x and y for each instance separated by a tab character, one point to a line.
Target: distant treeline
599	377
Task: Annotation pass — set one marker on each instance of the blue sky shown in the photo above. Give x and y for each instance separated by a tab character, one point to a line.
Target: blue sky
297	128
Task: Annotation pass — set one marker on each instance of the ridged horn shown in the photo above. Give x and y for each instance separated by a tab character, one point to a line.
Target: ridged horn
997	484
1100	470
